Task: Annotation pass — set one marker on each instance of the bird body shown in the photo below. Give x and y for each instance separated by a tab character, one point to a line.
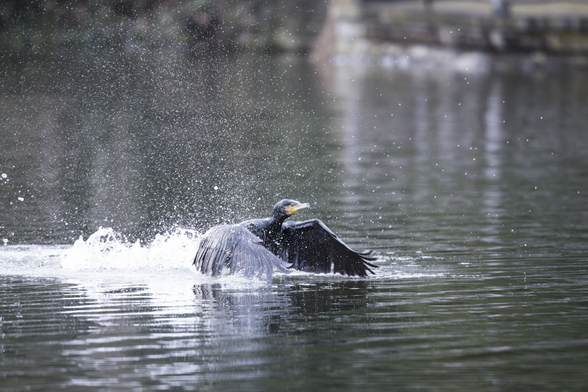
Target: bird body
257	247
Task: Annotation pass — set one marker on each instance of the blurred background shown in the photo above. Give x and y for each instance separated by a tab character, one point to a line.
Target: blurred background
293	26
41	26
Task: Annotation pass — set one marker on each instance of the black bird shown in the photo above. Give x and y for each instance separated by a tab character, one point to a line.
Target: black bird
258	246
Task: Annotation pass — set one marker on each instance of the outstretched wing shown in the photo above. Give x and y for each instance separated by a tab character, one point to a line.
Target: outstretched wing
310	246
236	248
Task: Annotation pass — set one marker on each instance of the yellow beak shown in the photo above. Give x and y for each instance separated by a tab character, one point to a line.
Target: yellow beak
297	207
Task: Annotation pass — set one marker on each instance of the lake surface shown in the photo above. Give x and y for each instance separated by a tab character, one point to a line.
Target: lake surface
471	188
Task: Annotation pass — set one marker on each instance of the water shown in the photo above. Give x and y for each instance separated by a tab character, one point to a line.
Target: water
471	188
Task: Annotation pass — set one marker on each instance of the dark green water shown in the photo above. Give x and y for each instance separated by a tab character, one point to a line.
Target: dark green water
471	188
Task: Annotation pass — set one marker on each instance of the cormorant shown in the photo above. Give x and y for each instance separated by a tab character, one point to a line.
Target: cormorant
258	246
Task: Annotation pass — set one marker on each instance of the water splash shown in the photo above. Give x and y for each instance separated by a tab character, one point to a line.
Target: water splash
107	249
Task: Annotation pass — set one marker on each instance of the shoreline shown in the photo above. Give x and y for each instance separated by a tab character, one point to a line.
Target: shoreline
452	35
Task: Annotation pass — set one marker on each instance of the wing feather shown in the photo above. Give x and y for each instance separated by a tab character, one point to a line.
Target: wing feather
237	249
312	247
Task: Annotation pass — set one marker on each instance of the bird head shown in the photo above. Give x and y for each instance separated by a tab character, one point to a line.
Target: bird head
286	208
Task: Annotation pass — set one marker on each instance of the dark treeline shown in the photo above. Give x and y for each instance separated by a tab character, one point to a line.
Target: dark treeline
41	25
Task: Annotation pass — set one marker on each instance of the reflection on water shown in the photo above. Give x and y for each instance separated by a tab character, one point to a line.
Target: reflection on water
471	188
493	329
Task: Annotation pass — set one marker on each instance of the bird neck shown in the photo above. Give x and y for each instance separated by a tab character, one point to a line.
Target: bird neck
273	233
275	223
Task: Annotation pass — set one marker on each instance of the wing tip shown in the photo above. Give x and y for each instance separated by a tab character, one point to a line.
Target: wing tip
366	257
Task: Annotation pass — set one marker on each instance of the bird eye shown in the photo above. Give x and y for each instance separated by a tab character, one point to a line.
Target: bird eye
291	204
